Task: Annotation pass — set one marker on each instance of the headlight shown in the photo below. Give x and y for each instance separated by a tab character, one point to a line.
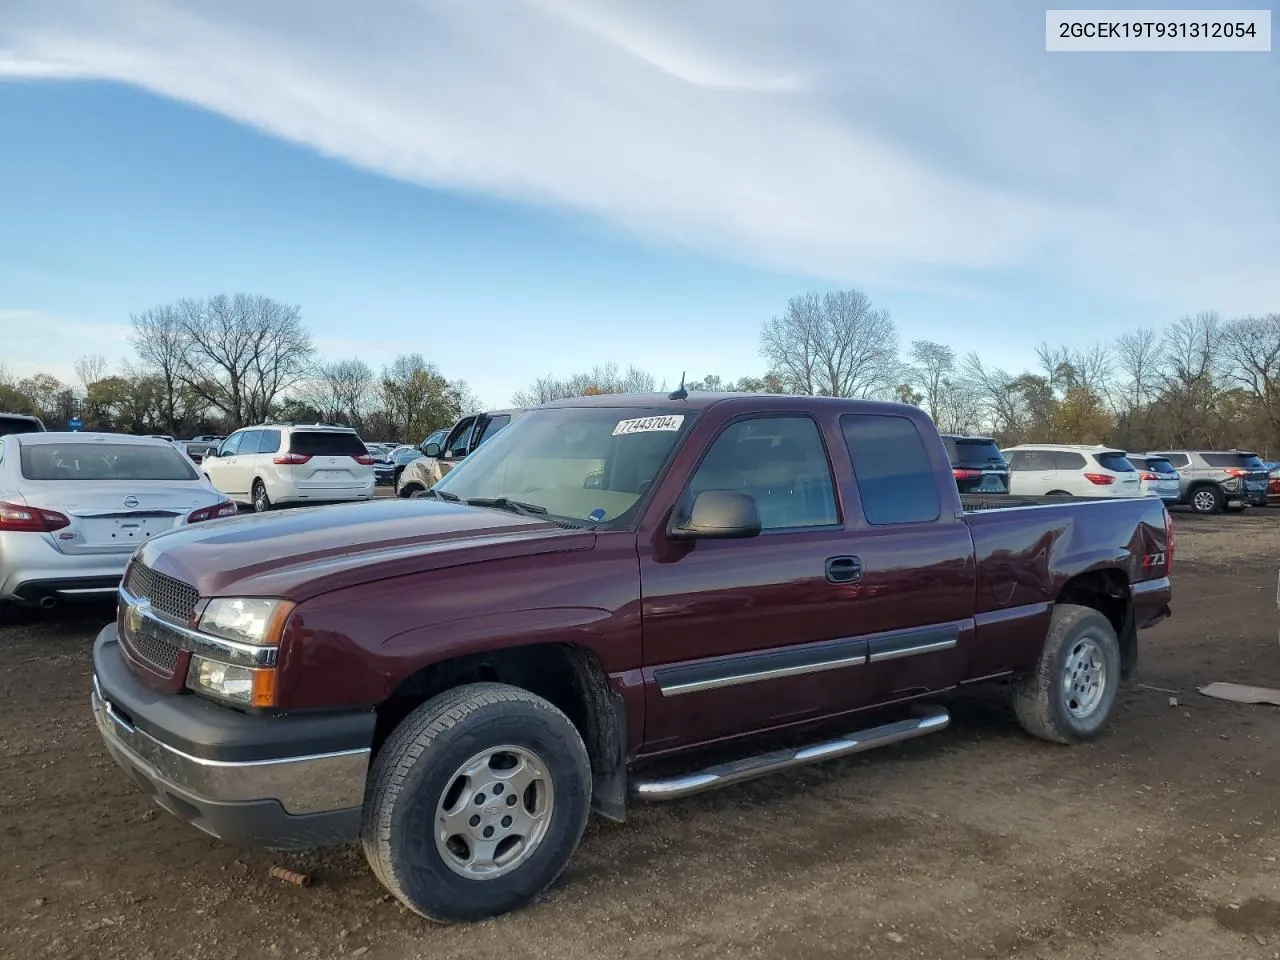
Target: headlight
242	686
245	621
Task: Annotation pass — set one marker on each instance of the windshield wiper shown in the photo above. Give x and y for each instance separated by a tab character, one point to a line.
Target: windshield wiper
442	495
506	503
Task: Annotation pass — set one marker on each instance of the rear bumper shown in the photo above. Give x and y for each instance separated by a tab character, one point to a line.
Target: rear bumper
1151	601
291	782
32	568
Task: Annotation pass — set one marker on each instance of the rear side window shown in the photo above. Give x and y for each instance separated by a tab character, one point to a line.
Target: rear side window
1245	461
1115	462
104	461
892	469
10	425
249	443
973	452
316	443
1066	460
269	441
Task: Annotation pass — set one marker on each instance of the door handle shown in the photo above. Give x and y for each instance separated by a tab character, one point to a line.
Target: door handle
844	570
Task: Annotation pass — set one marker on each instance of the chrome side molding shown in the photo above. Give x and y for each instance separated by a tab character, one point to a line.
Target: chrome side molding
932	720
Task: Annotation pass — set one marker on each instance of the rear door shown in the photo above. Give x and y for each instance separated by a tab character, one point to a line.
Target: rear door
914	600
331	460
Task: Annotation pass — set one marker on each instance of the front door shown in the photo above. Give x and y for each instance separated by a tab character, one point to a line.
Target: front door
741	635
221	469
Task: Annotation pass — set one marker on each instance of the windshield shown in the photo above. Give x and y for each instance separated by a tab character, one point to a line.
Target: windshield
591	464
104	461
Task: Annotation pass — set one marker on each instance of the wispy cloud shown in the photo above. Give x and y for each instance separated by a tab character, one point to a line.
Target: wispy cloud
862	142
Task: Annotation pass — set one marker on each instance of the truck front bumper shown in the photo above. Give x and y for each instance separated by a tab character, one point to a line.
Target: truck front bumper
280	783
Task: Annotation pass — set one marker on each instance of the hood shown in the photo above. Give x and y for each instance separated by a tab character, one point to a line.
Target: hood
301	553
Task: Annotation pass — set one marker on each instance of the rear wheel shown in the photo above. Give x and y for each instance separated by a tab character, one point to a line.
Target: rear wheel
1206	500
261	502
411	490
476	802
1069	696
1057	493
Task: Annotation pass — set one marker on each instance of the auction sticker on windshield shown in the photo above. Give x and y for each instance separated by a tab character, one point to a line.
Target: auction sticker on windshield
648	424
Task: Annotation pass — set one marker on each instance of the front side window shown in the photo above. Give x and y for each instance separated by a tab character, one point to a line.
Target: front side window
891	465
459	441
492	427
104	461
588	464
1179	460
781	462
231	446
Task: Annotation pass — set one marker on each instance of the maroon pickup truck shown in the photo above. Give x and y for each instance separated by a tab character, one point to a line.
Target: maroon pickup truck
455	680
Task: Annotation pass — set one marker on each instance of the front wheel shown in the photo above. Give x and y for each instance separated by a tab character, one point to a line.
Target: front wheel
1069	695
411	490
1206	500
476	802
261	502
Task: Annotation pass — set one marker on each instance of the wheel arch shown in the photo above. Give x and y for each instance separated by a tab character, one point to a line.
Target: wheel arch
569	677
1107	591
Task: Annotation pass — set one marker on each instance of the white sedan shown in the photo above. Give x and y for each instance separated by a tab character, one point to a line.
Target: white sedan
75	506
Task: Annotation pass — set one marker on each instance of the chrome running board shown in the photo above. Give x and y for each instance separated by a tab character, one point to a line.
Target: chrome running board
722	775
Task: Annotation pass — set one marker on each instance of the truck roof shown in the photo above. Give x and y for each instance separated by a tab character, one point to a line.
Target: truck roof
702	400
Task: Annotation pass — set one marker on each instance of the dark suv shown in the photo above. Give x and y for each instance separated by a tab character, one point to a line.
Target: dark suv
1215	479
977	464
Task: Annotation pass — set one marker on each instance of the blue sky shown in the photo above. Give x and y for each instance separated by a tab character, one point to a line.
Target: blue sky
527	187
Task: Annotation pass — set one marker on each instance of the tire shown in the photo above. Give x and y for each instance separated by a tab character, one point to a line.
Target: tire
6	612
395	480
1057	493
1076	714
261	502
411	490
1205	500
415	780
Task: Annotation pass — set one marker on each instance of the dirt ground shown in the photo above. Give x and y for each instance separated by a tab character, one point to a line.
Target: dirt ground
1159	840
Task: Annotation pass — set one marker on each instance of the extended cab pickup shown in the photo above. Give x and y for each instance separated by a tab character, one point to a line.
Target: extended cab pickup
457	679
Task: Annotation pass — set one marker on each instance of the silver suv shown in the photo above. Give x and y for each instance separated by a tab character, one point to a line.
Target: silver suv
1213	480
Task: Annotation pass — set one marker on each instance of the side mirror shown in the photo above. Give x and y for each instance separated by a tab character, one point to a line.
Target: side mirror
432	449
718	515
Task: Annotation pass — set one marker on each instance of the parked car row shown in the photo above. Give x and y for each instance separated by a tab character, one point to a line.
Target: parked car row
1207	481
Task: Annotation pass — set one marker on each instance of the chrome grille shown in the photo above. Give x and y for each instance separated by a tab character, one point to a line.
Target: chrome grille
168	596
155	646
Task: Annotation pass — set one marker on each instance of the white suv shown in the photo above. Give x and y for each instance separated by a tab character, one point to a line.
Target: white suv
278	463
1071	470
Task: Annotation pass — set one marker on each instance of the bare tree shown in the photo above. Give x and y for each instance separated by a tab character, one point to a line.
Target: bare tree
835	345
995	394
1193	374
1252	345
341	390
161	344
933	367
1139	357
90	368
600	380
242	352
